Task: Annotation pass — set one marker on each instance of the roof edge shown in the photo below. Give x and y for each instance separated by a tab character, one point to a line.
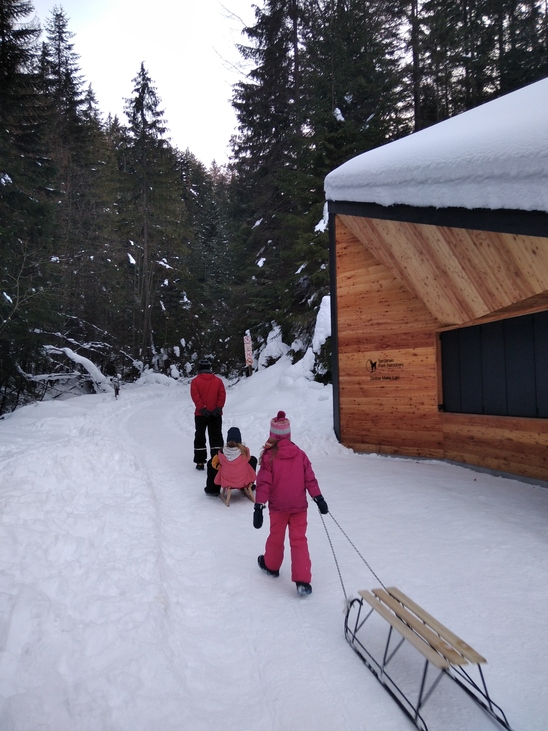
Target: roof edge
502	220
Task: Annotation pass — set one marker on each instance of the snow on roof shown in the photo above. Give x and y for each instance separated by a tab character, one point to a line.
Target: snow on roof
494	156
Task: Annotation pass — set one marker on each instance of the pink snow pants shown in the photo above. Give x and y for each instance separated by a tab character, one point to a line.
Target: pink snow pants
274	549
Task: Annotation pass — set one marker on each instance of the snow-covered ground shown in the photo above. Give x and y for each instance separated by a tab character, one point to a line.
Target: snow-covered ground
131	601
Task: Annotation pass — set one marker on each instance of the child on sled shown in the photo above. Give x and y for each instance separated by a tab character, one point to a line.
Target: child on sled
235	468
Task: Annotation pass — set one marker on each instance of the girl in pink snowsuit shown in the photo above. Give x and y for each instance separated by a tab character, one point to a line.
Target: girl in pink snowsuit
284	478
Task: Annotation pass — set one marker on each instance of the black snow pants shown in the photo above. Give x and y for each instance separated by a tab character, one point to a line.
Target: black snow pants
213	425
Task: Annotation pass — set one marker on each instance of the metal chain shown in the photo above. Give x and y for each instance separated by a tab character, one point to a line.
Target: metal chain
354	547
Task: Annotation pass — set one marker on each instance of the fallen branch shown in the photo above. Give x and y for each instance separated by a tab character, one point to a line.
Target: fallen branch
100	382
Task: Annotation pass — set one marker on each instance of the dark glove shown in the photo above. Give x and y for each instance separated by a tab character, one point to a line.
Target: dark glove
204	412
258	515
216	412
322	505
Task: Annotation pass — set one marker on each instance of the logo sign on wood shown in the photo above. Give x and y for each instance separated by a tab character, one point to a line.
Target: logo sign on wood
382	368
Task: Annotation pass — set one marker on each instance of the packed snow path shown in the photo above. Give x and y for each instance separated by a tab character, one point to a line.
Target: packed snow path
131	601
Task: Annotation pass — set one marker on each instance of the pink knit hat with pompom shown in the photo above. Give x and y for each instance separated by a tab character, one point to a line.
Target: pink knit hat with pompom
280	428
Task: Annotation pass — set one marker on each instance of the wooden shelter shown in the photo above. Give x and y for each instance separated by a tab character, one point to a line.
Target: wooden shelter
439	268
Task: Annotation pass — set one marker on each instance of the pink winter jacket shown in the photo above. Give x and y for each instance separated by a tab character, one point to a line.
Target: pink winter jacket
284	480
234	473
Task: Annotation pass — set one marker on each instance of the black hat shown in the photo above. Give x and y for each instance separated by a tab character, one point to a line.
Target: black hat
234	435
204	365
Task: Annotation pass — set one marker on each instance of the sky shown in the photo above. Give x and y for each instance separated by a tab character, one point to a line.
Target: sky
132	601
188	48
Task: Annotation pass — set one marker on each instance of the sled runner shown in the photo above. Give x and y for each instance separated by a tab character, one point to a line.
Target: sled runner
247	491
442	649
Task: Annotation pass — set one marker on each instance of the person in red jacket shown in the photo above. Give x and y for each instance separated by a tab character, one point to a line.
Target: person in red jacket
285	477
208	394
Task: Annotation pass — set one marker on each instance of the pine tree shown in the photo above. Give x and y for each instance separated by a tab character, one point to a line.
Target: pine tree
19	106
457	47
353	83
25	215
468	51
267	152
522	42
66	80
323	86
212	259
94	224
153	219
62	86
22	122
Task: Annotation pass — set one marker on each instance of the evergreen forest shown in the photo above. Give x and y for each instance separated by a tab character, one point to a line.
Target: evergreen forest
119	247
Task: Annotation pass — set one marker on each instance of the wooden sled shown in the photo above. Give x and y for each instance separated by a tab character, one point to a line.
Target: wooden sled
247	491
443	652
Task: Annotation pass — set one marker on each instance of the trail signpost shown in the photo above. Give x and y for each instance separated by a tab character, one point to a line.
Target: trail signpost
248	351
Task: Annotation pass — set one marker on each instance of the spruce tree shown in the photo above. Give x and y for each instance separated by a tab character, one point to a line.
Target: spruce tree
25	213
62	85
213	260
153	223
457	57
465	52
323	86
353	87
95	220
522	42
267	151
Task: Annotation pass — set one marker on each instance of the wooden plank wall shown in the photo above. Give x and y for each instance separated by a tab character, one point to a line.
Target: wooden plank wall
392	407
502	443
388	387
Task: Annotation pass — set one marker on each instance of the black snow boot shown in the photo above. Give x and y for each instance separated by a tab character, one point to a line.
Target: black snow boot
303	589
264	567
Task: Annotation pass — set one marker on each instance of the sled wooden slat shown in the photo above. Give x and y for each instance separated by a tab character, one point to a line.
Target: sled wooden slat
432	638
420	644
462	647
